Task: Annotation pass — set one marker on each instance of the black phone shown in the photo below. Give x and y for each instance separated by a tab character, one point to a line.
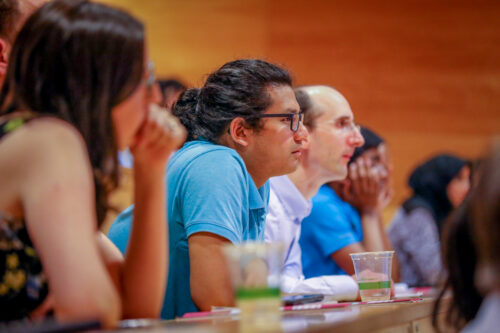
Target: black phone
302	299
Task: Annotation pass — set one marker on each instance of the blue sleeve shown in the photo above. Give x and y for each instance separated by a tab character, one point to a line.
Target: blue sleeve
330	228
119	232
215	196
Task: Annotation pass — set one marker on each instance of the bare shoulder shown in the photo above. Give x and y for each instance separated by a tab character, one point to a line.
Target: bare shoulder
52	133
46	147
42	153
46	139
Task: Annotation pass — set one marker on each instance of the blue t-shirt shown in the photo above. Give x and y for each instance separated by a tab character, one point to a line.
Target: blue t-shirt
209	190
332	225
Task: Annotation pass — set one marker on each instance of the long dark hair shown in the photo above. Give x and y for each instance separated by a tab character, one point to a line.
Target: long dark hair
486	213
237	89
76	60
460	260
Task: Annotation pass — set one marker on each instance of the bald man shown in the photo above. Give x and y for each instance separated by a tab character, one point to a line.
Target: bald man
332	140
13	13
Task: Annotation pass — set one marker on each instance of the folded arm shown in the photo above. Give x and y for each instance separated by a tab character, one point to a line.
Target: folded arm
210	278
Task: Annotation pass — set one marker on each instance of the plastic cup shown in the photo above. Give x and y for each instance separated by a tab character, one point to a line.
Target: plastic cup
255	275
373	273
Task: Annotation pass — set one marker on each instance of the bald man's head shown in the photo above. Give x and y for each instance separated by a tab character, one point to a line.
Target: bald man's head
333	135
316	100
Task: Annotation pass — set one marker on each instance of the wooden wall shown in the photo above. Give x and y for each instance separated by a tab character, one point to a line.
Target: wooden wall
425	74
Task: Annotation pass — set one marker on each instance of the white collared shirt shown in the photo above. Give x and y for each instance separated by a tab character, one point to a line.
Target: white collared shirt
287	209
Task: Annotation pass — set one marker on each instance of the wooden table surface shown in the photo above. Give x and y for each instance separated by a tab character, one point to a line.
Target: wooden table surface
403	317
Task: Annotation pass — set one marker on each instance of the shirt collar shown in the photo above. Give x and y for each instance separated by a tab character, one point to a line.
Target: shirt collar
257	197
294	203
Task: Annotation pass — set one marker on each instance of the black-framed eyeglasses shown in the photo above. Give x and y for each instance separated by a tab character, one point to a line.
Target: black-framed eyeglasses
295	118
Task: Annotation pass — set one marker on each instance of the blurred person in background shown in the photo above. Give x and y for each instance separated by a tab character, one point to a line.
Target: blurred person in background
460	259
485	214
346	215
64	115
170	89
333	138
439	185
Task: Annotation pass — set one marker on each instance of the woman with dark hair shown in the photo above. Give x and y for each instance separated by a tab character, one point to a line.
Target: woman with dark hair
439	185
244	126
485	214
460	261
77	89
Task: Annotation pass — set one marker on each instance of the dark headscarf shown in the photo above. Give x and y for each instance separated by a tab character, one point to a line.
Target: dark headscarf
429	181
372	140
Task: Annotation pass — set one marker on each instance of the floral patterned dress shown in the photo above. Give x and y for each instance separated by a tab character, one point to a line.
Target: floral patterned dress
23	286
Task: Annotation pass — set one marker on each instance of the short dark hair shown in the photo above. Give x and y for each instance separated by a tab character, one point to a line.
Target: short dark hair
306	107
237	89
9	13
171	84
75	60
372	140
169	87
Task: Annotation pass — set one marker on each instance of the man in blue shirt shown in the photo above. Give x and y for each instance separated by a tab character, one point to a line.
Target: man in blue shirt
346	215
332	225
243	127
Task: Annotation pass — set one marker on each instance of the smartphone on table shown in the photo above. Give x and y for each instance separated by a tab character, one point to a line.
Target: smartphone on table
302	299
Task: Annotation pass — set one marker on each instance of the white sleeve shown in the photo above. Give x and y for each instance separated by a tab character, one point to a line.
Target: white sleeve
340	287
293	259
271	230
279	228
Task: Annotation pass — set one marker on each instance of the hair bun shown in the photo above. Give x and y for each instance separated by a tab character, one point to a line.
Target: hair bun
186	109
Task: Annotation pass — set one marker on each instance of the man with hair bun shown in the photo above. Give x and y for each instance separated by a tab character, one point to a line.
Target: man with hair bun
244	126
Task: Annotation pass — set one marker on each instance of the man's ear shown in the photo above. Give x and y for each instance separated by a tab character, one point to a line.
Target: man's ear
3	57
240	131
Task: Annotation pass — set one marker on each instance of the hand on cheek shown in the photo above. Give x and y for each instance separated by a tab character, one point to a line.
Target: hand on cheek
160	134
365	186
